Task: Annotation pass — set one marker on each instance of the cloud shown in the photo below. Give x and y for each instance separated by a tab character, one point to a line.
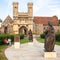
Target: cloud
56	11
40	7
47	8
40	4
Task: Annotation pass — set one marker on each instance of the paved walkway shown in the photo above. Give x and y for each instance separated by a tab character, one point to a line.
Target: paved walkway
29	51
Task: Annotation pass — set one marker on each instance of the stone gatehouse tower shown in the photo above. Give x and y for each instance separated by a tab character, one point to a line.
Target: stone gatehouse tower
23	21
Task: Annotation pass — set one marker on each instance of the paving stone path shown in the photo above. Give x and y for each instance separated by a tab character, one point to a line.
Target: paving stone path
29	51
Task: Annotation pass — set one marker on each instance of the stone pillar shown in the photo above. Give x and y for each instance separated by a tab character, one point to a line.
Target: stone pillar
17	42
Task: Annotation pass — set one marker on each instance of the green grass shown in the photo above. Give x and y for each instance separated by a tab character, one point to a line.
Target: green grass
2	49
42	41
24	41
57	42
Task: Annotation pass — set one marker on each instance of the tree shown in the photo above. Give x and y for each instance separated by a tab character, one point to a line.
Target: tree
0	20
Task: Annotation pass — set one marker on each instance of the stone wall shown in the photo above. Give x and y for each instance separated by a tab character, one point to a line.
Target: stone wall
38	28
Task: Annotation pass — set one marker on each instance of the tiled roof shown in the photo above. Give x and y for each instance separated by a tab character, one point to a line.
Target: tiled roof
44	20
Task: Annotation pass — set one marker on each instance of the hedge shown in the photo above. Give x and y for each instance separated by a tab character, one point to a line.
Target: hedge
42	36
11	36
57	36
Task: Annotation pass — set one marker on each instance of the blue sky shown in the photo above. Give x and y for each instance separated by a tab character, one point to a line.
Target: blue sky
40	7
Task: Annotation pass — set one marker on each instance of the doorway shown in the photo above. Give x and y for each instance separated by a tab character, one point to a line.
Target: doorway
23	30
5	30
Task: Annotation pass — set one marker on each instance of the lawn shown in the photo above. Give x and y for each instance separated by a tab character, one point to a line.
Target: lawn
3	47
24	41
42	41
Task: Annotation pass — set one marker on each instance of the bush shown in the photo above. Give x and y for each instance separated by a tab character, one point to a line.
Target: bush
11	36
5	36
42	36
2	37
58	36
21	36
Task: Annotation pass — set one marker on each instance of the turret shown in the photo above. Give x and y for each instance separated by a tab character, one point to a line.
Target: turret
15	9
30	9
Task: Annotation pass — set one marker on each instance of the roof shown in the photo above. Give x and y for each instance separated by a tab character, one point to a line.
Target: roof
44	20
7	20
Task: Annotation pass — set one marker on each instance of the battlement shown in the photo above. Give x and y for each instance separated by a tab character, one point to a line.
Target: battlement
17	13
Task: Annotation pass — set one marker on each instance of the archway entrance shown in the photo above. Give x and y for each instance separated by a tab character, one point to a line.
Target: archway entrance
23	30
5	30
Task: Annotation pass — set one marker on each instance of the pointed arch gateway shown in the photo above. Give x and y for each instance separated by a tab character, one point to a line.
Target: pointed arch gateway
23	30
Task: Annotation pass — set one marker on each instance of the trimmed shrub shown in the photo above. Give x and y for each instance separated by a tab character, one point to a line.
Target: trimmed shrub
21	36
57	36
2	37
6	36
11	36
42	36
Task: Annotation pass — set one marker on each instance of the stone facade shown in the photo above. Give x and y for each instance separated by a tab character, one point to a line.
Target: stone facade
40	23
6	26
38	28
22	22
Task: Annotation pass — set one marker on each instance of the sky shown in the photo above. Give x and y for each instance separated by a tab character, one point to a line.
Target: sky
40	7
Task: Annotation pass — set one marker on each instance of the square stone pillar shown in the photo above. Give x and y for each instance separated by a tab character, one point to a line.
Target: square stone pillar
17	42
